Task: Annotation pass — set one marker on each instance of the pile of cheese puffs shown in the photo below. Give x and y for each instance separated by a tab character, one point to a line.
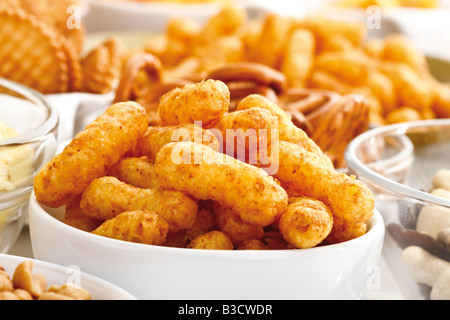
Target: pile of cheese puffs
312	52
189	183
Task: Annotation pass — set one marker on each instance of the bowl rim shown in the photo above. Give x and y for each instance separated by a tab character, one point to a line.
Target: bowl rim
361	170
60	269
49	124
375	230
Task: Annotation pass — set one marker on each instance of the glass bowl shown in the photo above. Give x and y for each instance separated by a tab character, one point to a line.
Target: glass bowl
399	163
28	139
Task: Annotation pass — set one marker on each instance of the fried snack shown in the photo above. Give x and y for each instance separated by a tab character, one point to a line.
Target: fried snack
107	197
351	66
182	28
441	105
302	171
157	137
287	130
205	101
274	241
298	58
344	231
102	66
23	278
206	174
219	52
226	22
325	30
247	133
67	291
315	52
31	53
252	244
397	48
272	40
413	90
213	240
90	154
238	230
306	222
138	172
383	88
135	226
76	218
402	114
205	221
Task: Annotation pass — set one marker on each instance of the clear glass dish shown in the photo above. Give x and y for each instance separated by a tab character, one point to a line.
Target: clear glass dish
413	216
28	131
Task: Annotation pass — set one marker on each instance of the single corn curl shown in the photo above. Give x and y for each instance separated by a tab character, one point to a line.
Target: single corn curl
304	172
205	174
107	197
135	226
90	154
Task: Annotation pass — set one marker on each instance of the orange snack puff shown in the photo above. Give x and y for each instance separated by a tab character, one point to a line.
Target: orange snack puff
90	154
302	171
213	240
135	226
206	174
238	230
306	222
107	197
205	101
138	172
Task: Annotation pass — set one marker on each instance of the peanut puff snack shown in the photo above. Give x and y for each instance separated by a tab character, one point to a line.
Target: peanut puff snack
175	184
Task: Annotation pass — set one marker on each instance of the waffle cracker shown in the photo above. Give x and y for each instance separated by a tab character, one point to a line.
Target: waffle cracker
31	53
57	16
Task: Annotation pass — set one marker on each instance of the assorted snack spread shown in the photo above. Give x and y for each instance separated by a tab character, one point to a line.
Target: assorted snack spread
226	135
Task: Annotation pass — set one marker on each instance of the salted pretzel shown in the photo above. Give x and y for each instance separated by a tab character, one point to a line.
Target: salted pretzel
250	71
330	119
245	78
127	89
148	95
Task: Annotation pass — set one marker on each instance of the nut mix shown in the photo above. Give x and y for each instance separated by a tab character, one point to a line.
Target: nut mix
426	243
25	285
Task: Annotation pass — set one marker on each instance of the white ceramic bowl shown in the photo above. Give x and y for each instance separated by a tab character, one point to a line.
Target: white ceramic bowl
339	271
36	124
58	275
